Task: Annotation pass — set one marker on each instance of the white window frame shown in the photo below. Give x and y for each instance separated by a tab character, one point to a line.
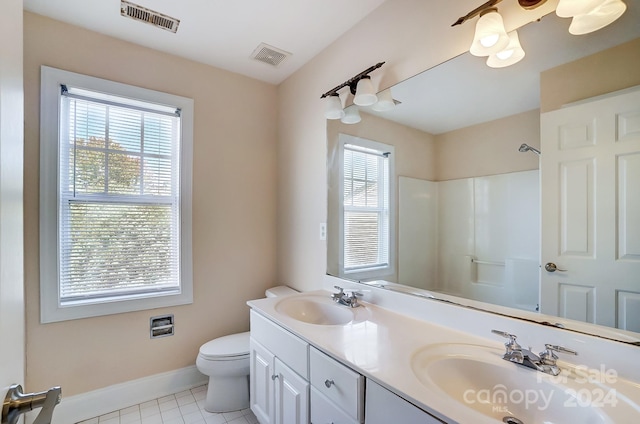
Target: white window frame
377	272
51	309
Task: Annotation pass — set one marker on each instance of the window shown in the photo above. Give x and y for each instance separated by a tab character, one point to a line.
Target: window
365	222
115	197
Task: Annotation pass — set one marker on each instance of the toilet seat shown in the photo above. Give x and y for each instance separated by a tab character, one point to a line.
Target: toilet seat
232	347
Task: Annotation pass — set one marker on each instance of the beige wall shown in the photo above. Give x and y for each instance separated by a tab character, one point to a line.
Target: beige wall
611	70
411	36
414	157
234	211
490	148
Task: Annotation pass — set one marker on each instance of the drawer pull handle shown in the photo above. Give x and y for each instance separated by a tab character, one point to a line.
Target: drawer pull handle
328	383
273	377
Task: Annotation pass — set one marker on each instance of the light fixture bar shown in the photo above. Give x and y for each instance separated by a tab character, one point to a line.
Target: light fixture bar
525	4
475	12
352	83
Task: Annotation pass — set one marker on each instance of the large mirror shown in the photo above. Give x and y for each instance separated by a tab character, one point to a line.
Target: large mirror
463	200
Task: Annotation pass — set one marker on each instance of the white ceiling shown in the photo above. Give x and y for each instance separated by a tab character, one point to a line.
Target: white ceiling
222	33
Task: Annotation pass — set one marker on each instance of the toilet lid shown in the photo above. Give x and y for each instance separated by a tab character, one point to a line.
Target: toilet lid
227	346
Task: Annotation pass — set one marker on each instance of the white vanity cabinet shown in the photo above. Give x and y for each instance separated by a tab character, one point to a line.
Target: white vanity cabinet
337	392
384	407
292	382
278	383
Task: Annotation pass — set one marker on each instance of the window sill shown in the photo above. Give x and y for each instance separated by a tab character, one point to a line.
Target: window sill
73	310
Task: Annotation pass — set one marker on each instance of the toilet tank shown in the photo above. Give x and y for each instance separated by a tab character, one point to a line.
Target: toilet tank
280	291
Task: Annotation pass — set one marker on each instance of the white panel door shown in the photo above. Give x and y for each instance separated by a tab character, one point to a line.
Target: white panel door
261	386
292	396
11	153
590	171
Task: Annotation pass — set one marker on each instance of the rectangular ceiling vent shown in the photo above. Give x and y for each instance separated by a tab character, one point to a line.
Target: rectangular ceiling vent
270	55
148	16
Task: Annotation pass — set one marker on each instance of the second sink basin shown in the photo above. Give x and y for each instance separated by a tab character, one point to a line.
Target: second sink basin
476	377
319	310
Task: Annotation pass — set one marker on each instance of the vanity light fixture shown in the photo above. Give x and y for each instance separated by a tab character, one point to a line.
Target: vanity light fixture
604	13
571	8
360	86
513	53
365	94
491	40
490	37
334	107
385	101
351	116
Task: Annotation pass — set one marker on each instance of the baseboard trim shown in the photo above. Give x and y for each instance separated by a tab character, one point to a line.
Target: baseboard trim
87	405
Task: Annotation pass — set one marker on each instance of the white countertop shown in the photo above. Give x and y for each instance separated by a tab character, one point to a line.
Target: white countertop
380	345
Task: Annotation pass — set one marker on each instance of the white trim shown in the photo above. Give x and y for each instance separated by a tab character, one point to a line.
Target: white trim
50	308
87	405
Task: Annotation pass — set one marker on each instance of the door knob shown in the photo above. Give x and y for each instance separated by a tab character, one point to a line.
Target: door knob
17	403
551	267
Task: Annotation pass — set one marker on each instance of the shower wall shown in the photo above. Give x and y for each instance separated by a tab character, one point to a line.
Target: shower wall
478	238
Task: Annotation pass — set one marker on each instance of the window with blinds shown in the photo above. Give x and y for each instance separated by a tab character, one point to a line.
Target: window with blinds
366	215
119	198
121	183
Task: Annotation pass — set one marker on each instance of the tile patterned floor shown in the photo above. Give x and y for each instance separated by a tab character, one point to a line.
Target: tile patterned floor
182	408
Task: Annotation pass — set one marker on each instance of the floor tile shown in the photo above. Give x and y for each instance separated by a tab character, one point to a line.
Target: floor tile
185	407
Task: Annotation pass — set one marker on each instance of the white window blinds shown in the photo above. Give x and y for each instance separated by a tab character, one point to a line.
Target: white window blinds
366	208
119	214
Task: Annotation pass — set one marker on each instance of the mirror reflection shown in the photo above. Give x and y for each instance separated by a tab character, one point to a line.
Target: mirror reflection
463	190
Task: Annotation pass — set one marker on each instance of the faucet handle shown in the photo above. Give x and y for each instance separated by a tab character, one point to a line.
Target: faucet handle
549	357
511	344
337	296
352	298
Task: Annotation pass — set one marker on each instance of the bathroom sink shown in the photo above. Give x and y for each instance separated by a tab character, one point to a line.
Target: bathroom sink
477	378
319	310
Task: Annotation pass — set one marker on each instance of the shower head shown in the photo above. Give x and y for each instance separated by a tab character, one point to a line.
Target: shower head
524	147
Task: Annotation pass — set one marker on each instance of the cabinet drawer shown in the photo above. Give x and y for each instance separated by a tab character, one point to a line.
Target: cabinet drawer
323	411
341	385
292	350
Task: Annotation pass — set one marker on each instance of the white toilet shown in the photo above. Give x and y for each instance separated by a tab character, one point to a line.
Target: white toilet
226	361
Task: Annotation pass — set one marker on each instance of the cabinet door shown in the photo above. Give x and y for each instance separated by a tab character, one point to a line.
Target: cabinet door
292	396
261	383
384	407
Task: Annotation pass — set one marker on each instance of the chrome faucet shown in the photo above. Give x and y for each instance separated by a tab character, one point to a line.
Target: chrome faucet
348	298
544	362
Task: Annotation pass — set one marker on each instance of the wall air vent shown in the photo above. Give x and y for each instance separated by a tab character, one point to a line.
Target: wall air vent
148	16
270	55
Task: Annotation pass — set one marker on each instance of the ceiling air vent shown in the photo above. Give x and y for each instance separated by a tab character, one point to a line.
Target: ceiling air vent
269	55
148	16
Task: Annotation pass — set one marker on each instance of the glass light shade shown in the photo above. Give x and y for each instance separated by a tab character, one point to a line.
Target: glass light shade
509	56
571	8
490	36
365	94
352	116
333	108
385	101
597	19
